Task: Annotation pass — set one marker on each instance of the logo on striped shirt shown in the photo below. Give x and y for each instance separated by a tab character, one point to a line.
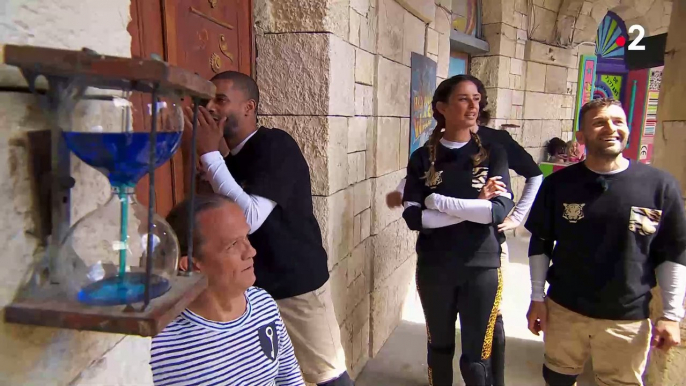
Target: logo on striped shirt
269	340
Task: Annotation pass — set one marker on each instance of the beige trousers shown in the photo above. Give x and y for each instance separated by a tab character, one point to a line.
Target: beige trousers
618	348
312	326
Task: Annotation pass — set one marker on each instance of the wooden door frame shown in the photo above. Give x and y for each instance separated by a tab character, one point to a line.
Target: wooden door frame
145	29
154	37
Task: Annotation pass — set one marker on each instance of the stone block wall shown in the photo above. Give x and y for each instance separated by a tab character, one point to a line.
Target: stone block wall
37	355
307	79
336	76
666	369
529	84
568	22
531	71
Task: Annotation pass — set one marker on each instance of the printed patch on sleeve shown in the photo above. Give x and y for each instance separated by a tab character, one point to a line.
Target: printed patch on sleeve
479	174
644	221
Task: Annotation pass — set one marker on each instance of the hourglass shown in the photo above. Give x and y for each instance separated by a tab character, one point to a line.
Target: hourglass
107	250
97	271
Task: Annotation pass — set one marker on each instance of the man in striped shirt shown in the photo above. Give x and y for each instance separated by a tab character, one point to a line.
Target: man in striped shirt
232	334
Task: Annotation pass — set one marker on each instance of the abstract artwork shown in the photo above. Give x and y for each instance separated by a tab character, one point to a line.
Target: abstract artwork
610	29
465	16
608	86
422	87
585	92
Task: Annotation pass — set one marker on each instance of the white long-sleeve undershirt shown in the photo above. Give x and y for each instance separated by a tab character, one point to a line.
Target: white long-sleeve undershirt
670	276
255	208
672	280
531	191
538	269
528	196
474	210
432	219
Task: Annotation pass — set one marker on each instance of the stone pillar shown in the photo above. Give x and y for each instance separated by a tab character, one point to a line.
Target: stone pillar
669	147
335	74
401	31
306	71
529	82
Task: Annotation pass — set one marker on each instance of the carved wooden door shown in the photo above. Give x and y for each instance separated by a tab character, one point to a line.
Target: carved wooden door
207	37
204	36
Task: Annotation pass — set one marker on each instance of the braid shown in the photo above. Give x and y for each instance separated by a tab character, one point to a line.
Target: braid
432	144
482	155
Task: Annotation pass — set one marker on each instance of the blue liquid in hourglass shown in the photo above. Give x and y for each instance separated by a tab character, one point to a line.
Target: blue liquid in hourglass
124	159
126	289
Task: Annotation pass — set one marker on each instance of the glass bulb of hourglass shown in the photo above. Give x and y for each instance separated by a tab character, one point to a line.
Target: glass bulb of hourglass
104	254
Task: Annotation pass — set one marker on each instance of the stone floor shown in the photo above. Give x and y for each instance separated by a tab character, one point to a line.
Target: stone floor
402	360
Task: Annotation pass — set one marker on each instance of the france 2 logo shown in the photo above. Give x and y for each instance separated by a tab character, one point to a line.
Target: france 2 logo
634	46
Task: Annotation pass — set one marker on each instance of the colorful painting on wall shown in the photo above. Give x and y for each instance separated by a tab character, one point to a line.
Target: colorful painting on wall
465	16
611	70
654	83
611	30
587	67
548	168
608	86
422	87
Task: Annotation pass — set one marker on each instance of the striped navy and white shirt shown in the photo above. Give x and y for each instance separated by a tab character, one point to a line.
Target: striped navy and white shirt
253	350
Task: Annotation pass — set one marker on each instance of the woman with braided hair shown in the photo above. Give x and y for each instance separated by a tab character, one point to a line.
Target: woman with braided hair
456	194
521	162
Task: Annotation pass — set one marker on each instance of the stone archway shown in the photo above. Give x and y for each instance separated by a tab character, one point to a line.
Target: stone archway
652	15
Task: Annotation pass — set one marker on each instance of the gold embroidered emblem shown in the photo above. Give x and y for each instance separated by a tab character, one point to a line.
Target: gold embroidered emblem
573	212
433	181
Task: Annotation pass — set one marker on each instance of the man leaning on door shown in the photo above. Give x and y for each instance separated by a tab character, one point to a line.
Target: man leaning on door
266	174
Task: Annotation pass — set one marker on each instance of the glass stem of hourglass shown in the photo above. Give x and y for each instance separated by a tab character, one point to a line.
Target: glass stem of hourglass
124	203
124	196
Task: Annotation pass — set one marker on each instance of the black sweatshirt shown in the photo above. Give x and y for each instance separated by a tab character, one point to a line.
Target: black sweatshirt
518	159
611	232
465	243
290	259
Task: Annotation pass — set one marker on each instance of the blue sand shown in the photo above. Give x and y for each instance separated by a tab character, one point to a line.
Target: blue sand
118	290
122	157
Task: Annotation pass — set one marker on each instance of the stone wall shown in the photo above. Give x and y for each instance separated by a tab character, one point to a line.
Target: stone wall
529	84
670	144
336	75
568	22
36	355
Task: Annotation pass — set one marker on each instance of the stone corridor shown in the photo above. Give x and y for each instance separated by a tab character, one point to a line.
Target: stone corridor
402	360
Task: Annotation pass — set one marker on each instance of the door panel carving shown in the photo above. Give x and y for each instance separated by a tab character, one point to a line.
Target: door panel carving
198	31
207	37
